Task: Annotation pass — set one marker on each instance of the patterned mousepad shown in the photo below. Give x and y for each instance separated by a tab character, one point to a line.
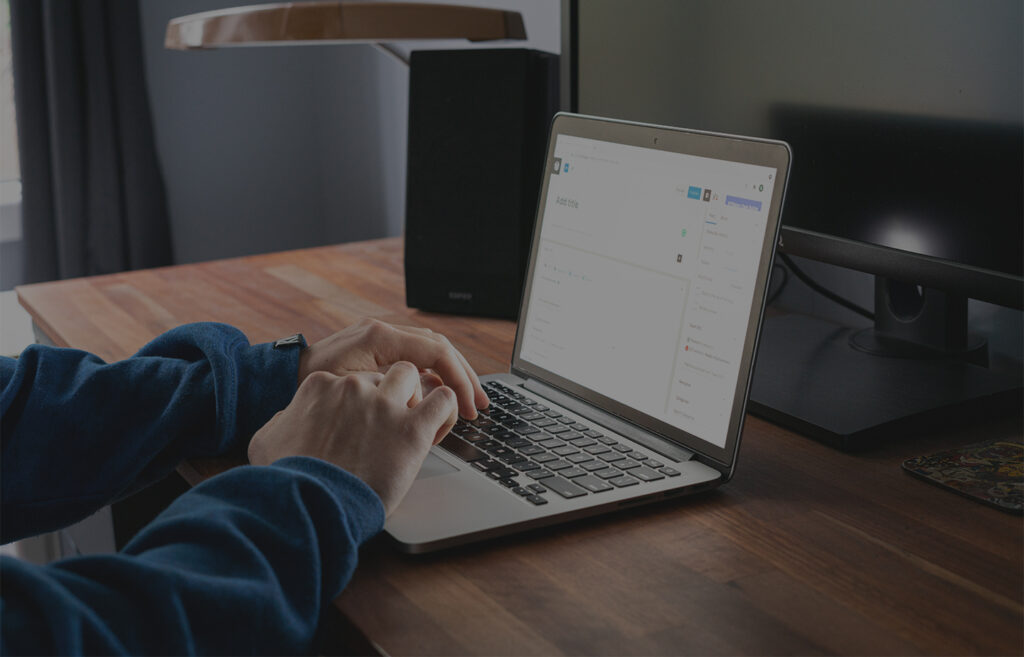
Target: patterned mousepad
991	472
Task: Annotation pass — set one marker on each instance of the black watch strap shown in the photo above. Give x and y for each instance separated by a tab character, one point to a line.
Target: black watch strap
296	340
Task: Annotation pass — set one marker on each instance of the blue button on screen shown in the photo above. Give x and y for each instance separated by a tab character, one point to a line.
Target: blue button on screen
693	192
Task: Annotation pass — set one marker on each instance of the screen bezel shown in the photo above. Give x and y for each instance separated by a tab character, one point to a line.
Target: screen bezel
731	148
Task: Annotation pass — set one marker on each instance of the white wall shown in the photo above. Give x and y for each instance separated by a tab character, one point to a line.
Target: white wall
266	149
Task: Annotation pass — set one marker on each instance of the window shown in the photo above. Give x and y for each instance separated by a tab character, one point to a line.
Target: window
10	164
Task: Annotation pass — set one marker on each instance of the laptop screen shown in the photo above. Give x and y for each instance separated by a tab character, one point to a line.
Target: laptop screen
644	278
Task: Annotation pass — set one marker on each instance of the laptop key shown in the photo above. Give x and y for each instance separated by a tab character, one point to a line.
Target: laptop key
537	488
654	464
627	464
590	466
572	435
583	442
544	423
621	448
554	414
671	472
579	427
509	483
592	434
580	458
557	464
605	440
474	437
505	436
513	458
545	457
532	416
564	487
526	466
622	482
519	442
647	474
566	420
596	449
531	449
571	473
608	473
565	450
519	490
591	483
462	449
537	499
610	457
639	456
486	465
539	474
551	443
557	429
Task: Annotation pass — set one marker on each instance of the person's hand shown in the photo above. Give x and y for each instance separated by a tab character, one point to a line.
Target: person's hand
375	426
373	346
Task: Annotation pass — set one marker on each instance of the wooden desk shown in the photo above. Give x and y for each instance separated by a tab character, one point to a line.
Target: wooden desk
807	550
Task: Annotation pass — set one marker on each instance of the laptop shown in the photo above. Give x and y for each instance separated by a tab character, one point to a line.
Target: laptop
639	321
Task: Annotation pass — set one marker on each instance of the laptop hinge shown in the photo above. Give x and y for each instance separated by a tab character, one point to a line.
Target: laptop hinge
649	440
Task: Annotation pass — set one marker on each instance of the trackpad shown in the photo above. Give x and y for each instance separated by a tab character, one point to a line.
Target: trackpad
433	466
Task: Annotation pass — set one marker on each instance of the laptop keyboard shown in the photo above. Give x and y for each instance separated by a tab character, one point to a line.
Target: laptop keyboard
532	450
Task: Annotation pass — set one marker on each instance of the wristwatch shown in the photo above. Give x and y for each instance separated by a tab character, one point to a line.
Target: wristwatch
291	341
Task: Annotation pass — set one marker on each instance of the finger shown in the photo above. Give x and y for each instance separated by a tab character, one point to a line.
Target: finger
402	382
480	397
438	411
429	381
427	353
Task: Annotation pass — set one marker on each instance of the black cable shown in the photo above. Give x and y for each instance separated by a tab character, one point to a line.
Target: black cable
809	282
772	296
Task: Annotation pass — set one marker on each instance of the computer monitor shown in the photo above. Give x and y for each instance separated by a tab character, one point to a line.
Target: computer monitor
906	126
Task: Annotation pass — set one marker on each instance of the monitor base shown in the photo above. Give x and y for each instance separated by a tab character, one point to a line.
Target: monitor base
809	378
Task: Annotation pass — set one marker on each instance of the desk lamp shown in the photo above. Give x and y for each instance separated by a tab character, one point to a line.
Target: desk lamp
312	23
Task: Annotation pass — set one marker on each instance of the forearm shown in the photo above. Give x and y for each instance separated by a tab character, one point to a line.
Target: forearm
77	432
241	564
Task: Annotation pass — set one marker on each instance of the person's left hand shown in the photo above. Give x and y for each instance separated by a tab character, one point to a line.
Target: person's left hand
373	346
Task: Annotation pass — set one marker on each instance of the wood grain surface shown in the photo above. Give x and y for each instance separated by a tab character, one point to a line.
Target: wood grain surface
806	551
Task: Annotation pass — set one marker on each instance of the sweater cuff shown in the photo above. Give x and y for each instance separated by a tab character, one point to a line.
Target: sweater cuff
368	517
267	381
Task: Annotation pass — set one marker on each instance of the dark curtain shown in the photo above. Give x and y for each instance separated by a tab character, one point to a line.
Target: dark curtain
93	198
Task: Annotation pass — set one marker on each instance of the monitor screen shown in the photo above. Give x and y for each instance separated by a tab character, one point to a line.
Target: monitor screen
645	277
905	118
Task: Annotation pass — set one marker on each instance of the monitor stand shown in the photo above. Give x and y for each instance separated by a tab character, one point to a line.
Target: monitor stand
816	377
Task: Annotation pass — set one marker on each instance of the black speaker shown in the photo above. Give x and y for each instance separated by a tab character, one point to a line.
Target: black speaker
478	125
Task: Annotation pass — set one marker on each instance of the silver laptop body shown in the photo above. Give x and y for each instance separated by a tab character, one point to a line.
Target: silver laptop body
637	331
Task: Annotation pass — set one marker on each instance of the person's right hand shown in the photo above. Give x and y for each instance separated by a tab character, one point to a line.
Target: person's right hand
373	425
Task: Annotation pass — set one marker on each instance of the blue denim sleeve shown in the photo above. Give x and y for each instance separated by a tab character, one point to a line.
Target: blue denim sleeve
242	564
77	433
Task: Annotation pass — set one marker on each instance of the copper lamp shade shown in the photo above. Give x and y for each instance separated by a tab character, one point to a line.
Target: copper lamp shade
296	23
